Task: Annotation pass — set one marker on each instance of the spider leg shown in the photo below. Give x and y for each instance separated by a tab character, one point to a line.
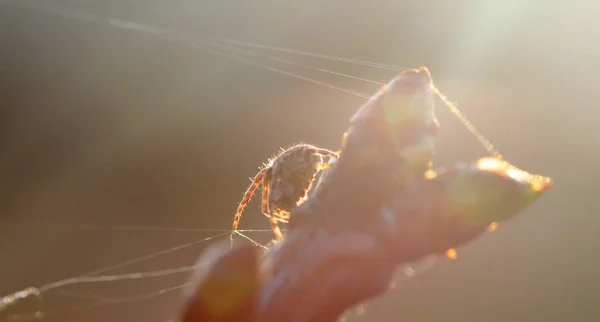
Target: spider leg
318	167
266	209
278	217
325	152
321	166
275	225
265	194
344	140
247	195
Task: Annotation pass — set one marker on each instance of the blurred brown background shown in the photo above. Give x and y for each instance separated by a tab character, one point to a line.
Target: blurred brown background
102	127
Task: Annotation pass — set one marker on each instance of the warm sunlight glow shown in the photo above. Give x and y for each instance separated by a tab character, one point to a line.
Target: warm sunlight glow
493	226
344	139
451	253
430	174
383	88
494	164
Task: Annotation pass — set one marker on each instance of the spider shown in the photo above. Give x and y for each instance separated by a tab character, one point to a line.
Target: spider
286	179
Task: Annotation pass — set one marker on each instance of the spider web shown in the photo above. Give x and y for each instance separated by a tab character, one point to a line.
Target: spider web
102	275
257	55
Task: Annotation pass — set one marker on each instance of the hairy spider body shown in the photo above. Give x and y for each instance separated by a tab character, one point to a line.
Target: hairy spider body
286	179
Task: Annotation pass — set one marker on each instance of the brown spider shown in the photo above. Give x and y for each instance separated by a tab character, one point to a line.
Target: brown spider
286	179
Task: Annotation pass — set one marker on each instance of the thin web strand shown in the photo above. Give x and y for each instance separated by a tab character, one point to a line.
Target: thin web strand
34	291
150	256
255	243
289	62
308	54
156	30
173	34
273	69
101	301
181	39
13	298
487	145
66	226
